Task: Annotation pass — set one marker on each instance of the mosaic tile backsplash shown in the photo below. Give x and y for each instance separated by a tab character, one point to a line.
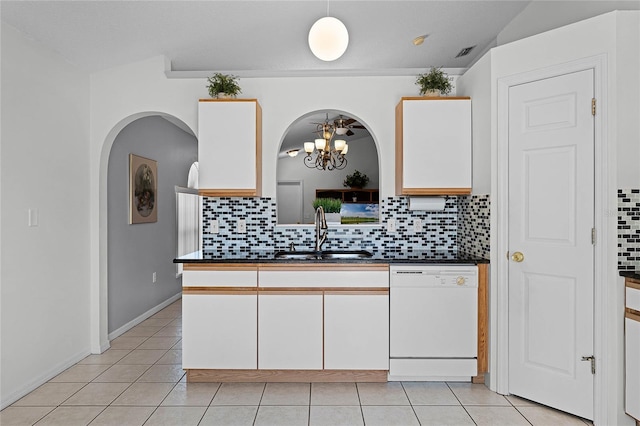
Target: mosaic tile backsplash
629	229
474	225
440	230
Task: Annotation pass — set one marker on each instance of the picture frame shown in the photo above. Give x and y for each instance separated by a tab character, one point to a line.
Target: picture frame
143	190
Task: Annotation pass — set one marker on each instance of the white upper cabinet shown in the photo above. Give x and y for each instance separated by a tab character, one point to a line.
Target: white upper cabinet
230	147
433	146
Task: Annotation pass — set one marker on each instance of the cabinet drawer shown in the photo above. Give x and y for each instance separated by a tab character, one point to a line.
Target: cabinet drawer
315	277
221	278
633	298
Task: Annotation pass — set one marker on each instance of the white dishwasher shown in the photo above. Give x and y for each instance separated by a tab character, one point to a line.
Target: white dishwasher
433	322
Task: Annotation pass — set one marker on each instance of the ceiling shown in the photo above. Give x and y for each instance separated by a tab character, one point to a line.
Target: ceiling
261	37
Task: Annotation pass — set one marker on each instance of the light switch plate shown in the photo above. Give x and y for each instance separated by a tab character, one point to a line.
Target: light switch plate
391	225
33	218
214	228
417	225
242	226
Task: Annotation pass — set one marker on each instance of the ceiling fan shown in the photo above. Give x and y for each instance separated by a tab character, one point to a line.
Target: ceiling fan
341	125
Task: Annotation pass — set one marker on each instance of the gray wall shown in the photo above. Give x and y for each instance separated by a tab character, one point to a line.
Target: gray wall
136	251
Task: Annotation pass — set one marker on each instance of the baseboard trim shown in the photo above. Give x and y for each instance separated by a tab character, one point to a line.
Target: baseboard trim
286	376
43	378
128	326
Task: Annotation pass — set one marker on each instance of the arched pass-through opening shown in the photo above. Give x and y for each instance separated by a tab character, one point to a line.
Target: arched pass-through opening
100	327
300	179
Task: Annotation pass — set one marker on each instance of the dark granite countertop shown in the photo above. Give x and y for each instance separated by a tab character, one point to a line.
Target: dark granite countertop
630	274
267	256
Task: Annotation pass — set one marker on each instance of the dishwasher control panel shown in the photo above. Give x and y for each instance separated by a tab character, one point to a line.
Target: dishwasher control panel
433	276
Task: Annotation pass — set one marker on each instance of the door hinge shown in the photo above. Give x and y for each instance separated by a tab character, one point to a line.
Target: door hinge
593	236
593	106
593	362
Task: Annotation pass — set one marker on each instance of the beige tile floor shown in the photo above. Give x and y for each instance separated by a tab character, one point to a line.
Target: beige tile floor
139	381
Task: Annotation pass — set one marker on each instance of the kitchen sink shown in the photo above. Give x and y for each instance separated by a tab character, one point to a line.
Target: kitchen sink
346	254
297	255
330	254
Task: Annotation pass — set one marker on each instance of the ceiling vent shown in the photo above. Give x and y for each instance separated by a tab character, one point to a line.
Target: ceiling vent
464	52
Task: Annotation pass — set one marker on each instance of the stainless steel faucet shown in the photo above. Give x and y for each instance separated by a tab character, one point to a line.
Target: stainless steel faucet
321	225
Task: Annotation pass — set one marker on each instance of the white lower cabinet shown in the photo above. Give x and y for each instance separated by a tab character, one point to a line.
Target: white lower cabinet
356	331
219	331
290	331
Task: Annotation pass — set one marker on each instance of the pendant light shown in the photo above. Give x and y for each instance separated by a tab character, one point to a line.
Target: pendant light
328	38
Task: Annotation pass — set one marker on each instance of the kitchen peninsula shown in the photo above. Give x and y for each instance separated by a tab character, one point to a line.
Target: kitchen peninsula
253	317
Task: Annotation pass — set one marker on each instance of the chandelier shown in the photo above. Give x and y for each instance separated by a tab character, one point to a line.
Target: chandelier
320	154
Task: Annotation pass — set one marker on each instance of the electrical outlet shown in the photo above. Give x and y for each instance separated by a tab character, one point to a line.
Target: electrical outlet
242	226
154	277
214	228
417	225
391	225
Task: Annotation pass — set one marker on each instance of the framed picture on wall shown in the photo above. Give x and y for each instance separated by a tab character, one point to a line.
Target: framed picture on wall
143	190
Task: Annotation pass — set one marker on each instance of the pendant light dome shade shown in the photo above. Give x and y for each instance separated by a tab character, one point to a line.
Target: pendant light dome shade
328	38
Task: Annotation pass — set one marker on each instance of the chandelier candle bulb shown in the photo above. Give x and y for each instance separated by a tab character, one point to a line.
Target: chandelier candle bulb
309	147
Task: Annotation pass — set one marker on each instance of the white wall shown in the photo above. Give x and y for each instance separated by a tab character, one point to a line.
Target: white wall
628	102
476	83
120	95
44	166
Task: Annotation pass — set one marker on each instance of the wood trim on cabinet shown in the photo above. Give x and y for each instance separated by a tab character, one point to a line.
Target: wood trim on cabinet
373	291
632	283
289	290
434	98
483	323
229	100
283	376
258	191
220	267
632	314
228	192
323	267
435	191
221	290
326	290
399	148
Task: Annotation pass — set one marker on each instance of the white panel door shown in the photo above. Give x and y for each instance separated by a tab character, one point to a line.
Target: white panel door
289	331
551	202
289	197
219	331
356	331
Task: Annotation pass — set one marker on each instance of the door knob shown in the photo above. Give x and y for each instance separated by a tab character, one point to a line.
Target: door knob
517	257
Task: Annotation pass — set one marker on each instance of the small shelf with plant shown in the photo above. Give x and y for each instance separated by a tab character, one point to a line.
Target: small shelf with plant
434	83
223	86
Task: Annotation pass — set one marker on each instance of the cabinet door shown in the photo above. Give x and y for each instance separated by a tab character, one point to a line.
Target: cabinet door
219	330
356	331
290	330
433	145
632	368
229	147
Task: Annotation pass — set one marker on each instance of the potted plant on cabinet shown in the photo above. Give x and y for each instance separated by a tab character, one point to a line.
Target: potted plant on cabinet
223	86
331	208
434	83
356	180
